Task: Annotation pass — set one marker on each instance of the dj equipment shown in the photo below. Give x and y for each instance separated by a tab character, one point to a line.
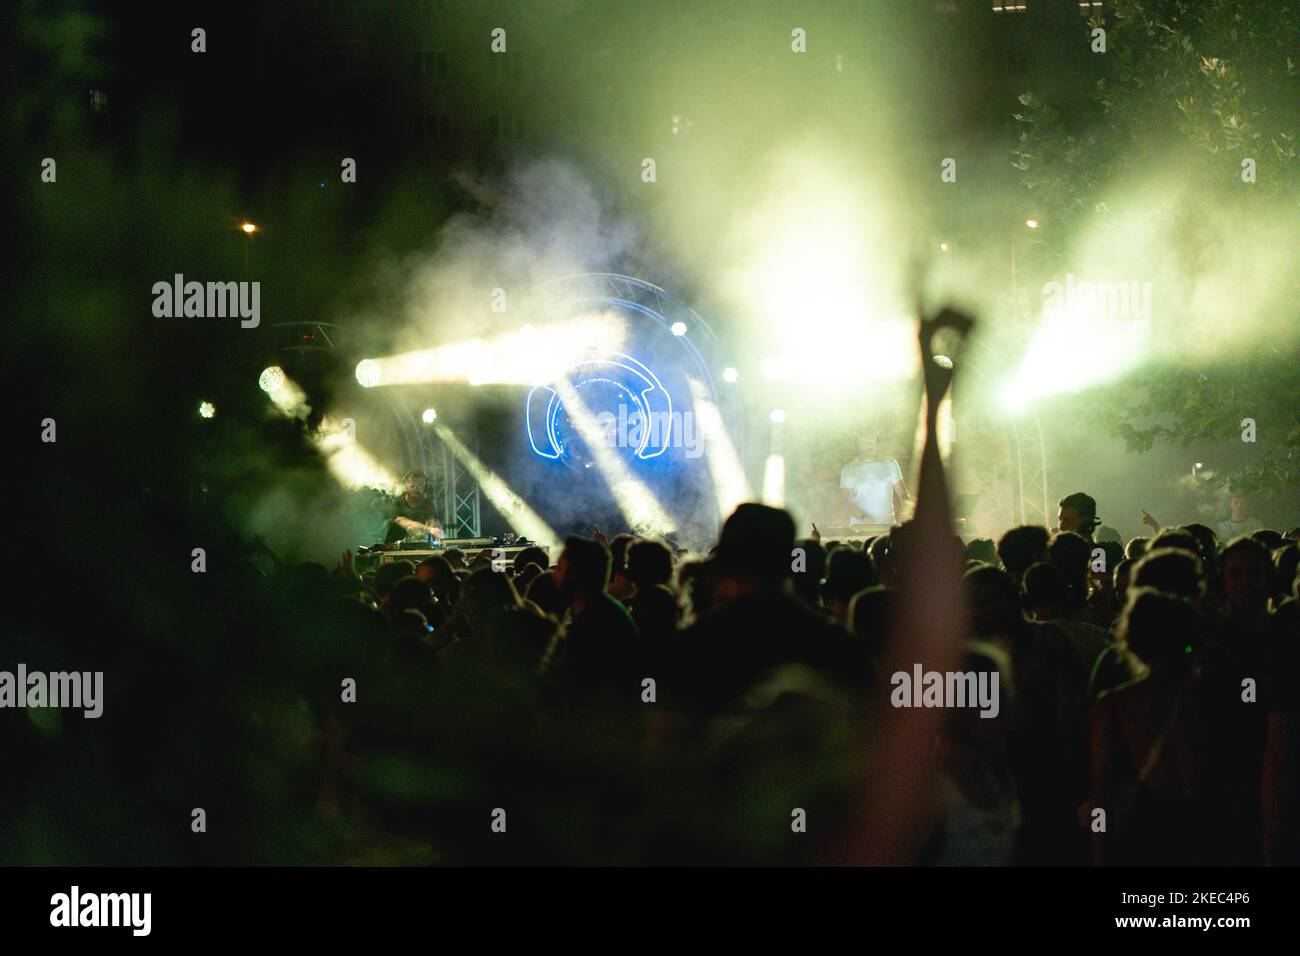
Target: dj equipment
388	557
421	543
854	532
962	508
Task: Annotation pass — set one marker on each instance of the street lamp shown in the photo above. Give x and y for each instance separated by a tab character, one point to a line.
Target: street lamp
248	229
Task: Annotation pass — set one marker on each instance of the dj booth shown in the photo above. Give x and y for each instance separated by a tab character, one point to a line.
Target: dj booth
855	532
963	507
417	551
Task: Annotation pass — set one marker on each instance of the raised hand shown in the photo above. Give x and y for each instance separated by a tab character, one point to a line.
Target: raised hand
938	377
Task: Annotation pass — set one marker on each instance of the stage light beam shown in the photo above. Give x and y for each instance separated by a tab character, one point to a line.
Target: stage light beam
643	514
526	356
774	467
774	481
508	504
284	392
730	488
351	464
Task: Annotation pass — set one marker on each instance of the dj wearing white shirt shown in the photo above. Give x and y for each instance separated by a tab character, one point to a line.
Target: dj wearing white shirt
870	483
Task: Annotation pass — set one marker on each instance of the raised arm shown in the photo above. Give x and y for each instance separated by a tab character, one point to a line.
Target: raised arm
890	821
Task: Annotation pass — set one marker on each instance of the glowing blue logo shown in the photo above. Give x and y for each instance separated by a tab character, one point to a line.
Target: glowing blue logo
645	406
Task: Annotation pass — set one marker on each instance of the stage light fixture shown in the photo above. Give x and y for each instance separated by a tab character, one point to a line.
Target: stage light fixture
368	373
729	374
207	410
271	380
428	416
678	328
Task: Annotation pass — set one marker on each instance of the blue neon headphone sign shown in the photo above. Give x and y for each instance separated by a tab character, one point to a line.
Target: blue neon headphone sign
651	403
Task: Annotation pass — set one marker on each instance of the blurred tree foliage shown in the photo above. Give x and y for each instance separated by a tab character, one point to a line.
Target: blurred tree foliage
1217	81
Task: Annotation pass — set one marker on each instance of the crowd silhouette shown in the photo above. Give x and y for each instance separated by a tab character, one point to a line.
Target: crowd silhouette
622	701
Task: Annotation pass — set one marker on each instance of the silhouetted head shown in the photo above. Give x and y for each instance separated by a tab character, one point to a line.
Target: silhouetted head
1046	594
583	568
982	549
1077	513
1136	547
1020	547
649	563
1159	628
1246	572
993	601
1171	570
755	546
532	555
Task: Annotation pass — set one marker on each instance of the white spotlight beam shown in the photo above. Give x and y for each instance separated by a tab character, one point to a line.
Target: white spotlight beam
774	467
513	508
527	356
350	463
774	481
643	514
730	488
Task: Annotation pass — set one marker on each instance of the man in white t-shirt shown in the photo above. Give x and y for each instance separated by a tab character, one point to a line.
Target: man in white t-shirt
869	484
1238	523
